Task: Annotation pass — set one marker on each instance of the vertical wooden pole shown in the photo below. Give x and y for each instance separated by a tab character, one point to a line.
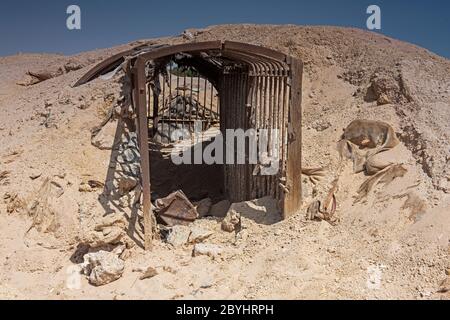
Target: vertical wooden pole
293	201
144	150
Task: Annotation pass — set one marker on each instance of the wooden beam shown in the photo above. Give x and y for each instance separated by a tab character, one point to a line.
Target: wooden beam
292	200
141	108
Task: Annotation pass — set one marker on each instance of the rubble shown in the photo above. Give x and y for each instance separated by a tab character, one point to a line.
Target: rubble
232	221
102	267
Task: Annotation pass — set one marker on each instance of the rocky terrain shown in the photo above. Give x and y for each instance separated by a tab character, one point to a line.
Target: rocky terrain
393	244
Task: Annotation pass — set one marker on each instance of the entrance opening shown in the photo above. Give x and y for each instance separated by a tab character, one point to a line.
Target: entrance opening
184	114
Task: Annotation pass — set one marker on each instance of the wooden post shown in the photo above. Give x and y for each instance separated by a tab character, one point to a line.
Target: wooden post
141	108
292	200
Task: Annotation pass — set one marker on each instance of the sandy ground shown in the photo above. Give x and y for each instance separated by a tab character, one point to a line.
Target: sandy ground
380	248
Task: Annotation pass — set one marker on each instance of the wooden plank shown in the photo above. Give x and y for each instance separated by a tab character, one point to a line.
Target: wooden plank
292	200
144	151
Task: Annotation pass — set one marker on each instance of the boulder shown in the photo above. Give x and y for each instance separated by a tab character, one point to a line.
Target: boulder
203	207
102	267
220	209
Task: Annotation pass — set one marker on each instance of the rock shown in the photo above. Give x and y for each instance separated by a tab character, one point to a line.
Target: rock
207	249
149	273
179	235
104	139
203	207
232	221
35	175
102	267
383	99
187	35
447	271
198	234
320	125
445	286
220	209
126	184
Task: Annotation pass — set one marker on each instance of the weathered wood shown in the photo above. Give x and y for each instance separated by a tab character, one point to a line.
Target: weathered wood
141	107
292	200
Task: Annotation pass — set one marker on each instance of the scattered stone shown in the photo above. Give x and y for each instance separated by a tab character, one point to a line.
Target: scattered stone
102	267
445	286
207	249
126	184
35	175
320	125
220	209
203	207
232	221
383	99
198	234
149	273
178	236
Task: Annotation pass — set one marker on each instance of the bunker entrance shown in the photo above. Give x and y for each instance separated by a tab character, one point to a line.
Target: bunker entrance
239	99
238	103
184	118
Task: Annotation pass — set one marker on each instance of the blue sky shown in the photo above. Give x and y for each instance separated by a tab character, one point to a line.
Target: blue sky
40	25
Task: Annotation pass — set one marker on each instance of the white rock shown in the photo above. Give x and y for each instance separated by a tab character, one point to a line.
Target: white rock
102	267
198	234
207	249
179	235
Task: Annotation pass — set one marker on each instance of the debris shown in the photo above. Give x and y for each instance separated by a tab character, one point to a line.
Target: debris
198	234
175	209
385	176
44	217
149	273
445	286
179	235
109	231
14	202
90	186
220	209
232	221
102	267
363	139
4	178
203	207
207	249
